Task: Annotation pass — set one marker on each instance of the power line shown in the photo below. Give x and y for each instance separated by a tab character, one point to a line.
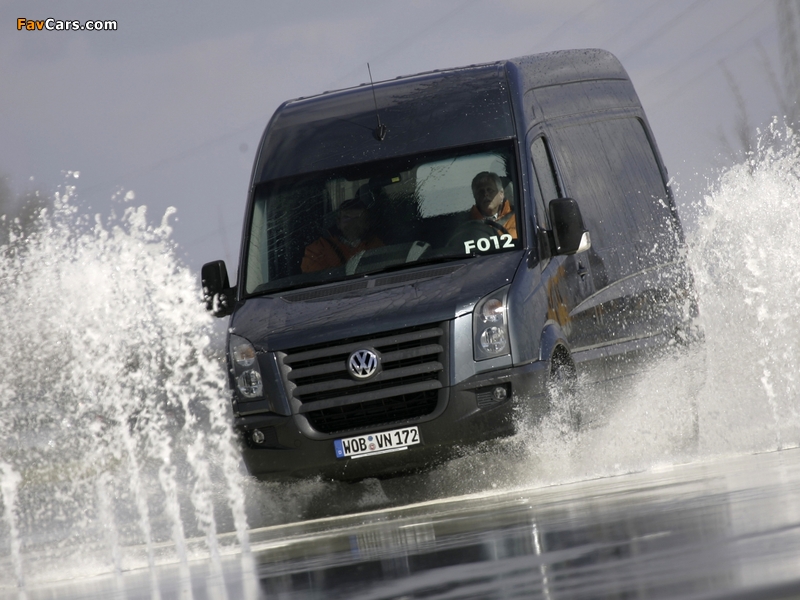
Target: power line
546	42
169	160
629	26
667	27
174	158
662	78
461	7
690	82
402	43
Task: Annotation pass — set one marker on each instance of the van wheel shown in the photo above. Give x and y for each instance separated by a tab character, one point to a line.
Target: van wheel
562	391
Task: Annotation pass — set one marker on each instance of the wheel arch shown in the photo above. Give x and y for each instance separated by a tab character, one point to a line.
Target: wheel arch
553	343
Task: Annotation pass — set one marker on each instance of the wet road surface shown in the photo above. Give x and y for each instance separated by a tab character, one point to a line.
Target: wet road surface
720	529
726	527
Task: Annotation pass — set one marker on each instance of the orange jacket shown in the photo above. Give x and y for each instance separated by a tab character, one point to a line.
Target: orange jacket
329	252
510	224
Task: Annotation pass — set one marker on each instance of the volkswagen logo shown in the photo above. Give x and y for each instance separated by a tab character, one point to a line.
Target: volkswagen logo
363	363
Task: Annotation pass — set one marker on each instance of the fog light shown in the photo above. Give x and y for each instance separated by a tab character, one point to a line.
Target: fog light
492	396
257	436
499	393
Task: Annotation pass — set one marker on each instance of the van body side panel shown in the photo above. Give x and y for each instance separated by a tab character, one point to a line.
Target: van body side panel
550	86
633	263
610	169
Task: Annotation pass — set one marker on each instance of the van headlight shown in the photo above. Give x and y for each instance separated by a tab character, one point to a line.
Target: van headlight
246	371
490	326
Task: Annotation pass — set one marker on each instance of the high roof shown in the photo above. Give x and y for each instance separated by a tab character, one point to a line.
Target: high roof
423	112
565	66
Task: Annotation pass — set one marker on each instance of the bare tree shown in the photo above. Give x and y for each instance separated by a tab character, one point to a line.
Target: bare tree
788	14
743	131
785	86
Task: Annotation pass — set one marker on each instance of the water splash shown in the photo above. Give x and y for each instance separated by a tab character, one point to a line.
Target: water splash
114	427
739	389
742	385
116	418
745	258
9	482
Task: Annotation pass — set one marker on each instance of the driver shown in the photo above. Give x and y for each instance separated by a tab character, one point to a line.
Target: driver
491	203
348	237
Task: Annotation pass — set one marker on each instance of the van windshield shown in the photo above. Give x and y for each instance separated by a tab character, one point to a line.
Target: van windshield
388	215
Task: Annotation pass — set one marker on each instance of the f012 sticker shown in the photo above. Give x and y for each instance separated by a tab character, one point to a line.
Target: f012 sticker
489	243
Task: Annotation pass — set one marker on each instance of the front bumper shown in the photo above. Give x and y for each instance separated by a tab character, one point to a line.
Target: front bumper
470	416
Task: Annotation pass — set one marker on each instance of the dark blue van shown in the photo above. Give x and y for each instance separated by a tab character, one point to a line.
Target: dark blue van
428	259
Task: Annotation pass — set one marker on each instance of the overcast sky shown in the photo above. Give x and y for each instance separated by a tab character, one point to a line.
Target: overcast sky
173	103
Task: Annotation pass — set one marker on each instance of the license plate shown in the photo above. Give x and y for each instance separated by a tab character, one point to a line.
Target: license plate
376	443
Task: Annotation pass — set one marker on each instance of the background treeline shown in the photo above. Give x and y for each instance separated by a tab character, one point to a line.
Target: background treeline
783	79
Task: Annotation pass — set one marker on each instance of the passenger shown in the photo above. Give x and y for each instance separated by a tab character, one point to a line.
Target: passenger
491	203
350	236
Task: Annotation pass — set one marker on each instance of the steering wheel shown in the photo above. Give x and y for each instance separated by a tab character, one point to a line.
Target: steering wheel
473	230
385	256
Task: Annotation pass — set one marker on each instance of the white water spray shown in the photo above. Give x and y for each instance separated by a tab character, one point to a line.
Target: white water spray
116	420
115	437
741	387
9	481
745	257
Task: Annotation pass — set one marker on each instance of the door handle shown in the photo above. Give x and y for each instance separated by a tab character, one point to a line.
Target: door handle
582	271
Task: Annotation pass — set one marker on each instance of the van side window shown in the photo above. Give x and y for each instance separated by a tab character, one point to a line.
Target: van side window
547	184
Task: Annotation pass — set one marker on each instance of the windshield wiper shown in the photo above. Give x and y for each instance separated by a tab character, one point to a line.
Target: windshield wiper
264	289
419	263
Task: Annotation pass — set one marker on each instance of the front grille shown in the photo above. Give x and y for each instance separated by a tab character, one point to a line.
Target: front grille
407	387
375	412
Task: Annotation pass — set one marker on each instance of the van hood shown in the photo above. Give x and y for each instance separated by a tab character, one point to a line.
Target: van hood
383	303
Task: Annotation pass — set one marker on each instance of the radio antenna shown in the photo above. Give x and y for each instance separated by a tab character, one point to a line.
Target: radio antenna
380	131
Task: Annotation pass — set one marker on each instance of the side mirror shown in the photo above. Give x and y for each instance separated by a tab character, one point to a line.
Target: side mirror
217	291
569	234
